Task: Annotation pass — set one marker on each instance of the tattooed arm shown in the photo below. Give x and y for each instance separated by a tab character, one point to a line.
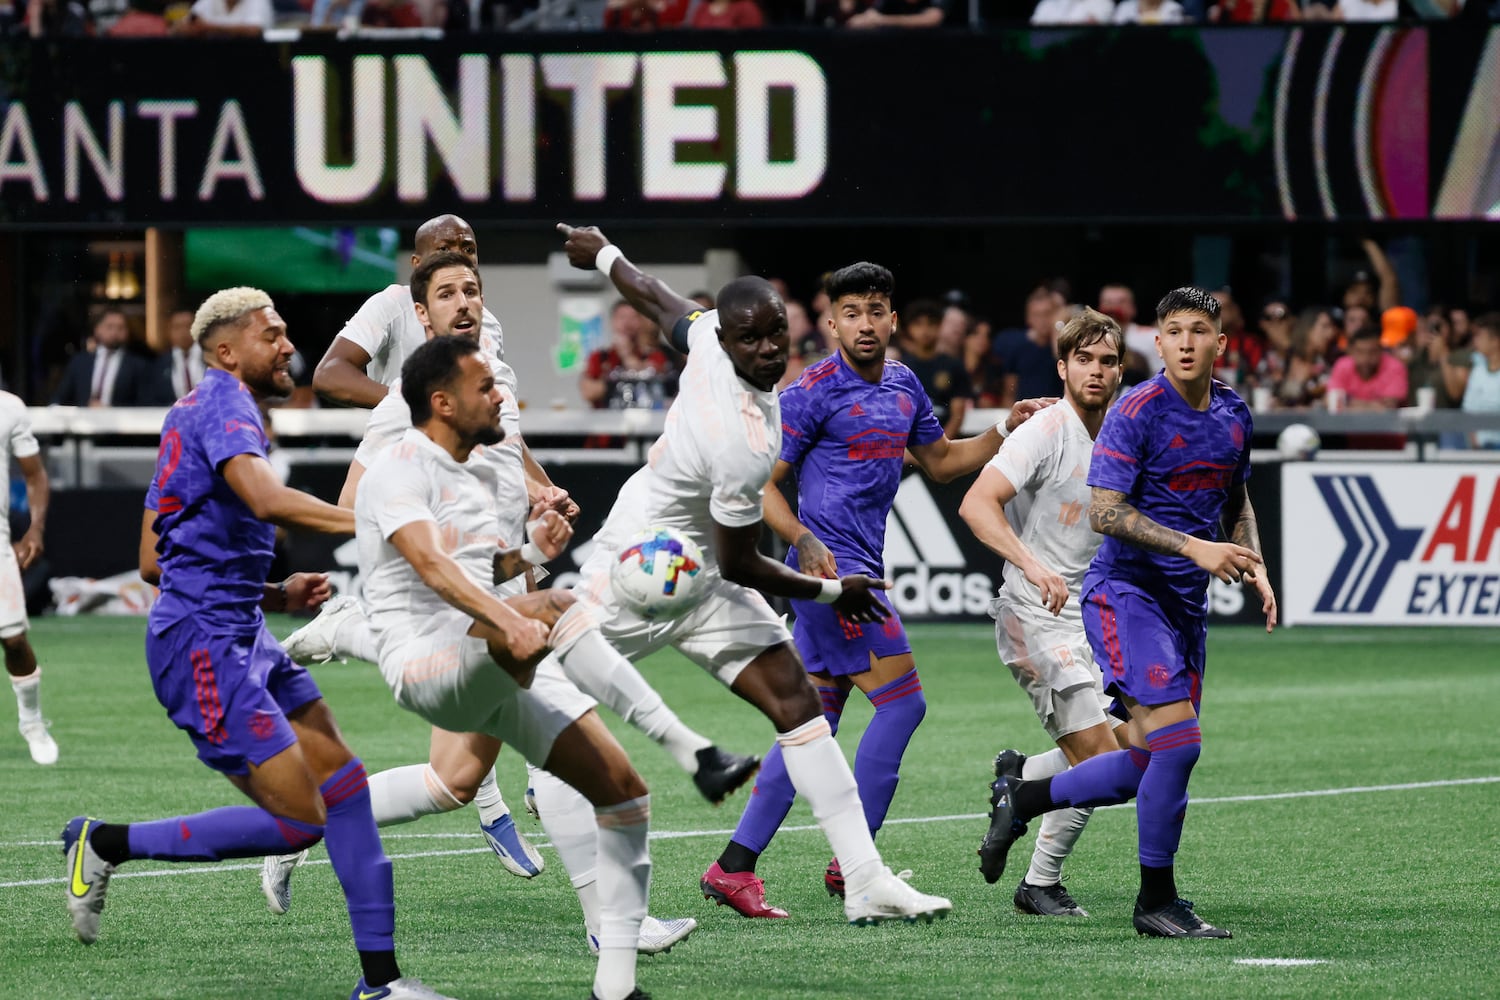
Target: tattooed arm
1239	519
1111	514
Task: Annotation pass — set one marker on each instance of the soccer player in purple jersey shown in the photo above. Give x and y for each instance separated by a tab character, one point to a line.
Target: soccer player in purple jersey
847	424
1168	479
253	715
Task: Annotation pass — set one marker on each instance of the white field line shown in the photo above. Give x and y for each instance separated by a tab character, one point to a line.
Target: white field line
201	869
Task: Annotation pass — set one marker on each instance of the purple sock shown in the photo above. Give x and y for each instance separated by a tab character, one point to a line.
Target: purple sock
358	859
899	708
1163	797
1105	780
771	798
229	832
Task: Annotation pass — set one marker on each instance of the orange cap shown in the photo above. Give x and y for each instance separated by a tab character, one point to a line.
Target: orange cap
1397	324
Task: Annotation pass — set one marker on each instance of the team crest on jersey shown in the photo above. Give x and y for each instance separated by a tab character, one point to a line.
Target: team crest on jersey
904	402
1237	435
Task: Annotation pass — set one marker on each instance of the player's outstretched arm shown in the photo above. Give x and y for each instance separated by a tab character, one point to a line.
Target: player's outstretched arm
813	557
945	459
1241	528
1110	514
650	296
255	482
983	510
341	377
741	561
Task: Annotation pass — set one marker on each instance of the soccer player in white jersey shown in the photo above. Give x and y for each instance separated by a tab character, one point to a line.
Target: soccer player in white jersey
449	298
431	542
17	441
1030	506
706	478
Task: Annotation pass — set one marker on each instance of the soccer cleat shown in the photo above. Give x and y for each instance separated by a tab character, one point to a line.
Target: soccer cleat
1174	920
657	936
1047	901
833	878
514	851
740	891
1004	830
40	742
720	773
635	994
314	642
1008	763
276	880
890	897
87	877
405	988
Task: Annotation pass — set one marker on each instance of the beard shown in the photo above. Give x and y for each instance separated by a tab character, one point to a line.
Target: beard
488	435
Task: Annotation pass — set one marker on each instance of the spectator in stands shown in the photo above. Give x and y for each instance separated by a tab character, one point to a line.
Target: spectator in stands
942	375
1142	360
142	19
1369	376
1396	327
1254	11
1482	393
898	14
1243	348
336	13
635	371
1073	12
1027	358
1376	287
807	346
644	15
1435	363
1276	327
1306	377
181	365
58	19
1149	12
728	14
1357	318
229	17
110	374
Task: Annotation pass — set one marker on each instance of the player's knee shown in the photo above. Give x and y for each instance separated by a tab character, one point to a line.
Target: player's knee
300	834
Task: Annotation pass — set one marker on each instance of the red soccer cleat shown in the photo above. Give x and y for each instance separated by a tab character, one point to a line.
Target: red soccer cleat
833	879
741	891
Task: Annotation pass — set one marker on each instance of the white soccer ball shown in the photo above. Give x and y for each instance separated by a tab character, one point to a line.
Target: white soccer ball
658	573
1298	442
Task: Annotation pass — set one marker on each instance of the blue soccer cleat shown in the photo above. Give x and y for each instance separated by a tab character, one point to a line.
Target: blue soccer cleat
514	851
87	877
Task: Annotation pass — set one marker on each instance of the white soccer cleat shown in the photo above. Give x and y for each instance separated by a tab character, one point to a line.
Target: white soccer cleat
276	880
87	876
515	852
43	747
890	897
405	988
657	936
314	642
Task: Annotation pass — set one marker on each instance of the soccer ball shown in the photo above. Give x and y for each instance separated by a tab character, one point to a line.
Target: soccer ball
658	574
1298	442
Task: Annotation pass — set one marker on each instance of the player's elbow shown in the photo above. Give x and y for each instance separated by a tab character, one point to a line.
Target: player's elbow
969	509
328	377
151	572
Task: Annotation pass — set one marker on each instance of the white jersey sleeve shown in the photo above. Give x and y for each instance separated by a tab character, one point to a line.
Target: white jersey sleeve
388	422
395	498
15	424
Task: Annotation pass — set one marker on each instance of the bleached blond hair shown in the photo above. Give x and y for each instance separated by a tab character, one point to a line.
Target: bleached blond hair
228	306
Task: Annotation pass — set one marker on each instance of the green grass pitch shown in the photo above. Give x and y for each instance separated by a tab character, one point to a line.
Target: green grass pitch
1344	812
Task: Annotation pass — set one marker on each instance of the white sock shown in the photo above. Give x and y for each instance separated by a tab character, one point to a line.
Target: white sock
403	794
821	775
602	673
1045	765
355	638
568	819
1060	830
624	882
492	807
28	695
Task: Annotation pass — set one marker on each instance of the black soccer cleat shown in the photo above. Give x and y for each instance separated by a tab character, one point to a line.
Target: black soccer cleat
1174	920
1047	901
720	773
1004	830
1008	763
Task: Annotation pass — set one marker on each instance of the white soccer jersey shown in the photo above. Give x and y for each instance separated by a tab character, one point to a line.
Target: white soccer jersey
16	441
1047	461
715	455
415	480
387	329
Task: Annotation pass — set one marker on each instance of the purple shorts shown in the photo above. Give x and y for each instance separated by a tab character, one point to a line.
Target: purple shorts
1148	651
230	693
831	644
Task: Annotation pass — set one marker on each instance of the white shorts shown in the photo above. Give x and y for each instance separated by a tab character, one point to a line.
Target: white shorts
448	678
12	594
1054	665
731	626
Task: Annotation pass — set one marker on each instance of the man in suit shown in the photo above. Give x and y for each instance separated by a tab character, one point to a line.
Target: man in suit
180	366
111	375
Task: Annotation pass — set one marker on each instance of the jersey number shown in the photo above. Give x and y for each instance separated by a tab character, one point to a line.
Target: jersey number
167	458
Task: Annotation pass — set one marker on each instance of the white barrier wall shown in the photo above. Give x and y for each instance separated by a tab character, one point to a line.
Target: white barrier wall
1404	544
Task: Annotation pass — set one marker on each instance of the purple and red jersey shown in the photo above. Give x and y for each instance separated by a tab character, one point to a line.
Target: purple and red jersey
213	552
1176	465
846	438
